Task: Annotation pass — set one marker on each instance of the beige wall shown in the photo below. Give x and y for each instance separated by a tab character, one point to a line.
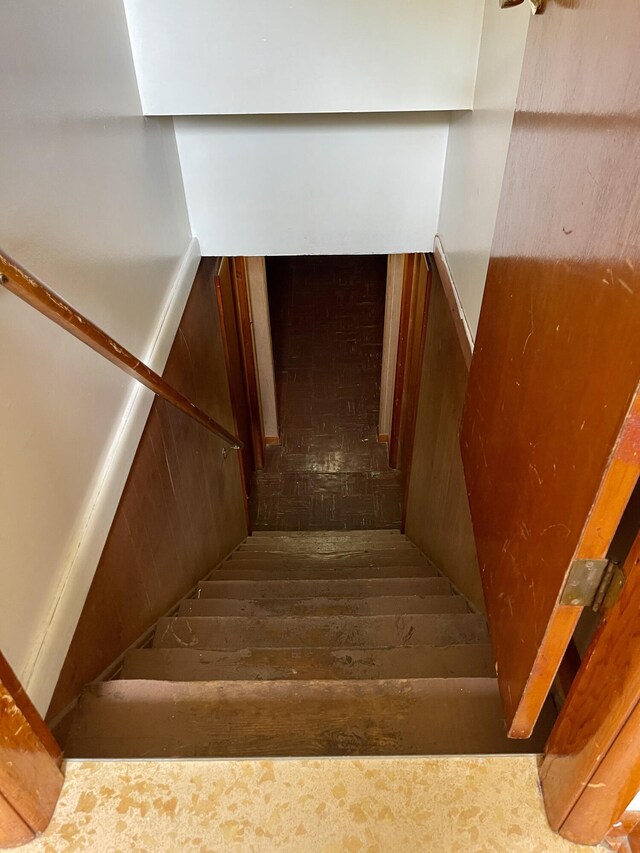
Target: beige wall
92	201
438	518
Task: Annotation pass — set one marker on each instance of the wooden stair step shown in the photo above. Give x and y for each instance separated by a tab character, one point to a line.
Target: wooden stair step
239	632
240	571
472	661
323	588
135	719
324	545
354	559
377	606
357	535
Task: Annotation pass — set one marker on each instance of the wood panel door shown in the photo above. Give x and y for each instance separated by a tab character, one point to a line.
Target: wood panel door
551	429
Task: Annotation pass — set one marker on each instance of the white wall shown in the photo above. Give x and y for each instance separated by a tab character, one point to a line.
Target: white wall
91	201
216	57
336	184
477	153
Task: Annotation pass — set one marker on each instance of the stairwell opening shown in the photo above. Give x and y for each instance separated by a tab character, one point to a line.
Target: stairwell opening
329	471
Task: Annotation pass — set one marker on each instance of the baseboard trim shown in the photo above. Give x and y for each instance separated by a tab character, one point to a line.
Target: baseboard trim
451	292
50	649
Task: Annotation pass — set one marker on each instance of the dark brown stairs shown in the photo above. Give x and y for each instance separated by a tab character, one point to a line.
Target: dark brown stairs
307	644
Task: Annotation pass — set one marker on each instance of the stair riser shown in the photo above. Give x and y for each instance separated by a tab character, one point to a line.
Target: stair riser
321	546
231	632
355	559
293	589
392	534
388	605
472	661
321	572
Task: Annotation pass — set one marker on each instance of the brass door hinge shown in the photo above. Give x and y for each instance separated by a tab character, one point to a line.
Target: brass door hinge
593	583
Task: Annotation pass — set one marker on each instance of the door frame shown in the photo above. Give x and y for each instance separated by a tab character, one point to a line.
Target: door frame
393	300
241	292
414	309
31	782
591	768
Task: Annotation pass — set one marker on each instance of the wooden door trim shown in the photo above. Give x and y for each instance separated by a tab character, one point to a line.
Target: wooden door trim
620	478
590	763
30	775
609	791
13	830
401	360
413	385
392	303
244	475
257	288
249	357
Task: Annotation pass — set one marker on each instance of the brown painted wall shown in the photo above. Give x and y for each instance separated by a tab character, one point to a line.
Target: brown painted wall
181	510
438	518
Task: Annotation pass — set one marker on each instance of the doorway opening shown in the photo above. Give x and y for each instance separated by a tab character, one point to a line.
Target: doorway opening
329	471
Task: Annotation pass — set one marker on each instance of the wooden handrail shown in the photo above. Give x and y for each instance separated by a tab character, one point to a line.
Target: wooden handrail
35	293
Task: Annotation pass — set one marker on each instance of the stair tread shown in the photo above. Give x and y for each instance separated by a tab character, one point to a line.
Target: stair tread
140	718
471	661
320	571
324	606
229	632
316	587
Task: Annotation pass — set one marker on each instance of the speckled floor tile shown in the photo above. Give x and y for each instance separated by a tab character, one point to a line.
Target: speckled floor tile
444	805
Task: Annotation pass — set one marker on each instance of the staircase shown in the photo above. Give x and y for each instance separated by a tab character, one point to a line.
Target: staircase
307	644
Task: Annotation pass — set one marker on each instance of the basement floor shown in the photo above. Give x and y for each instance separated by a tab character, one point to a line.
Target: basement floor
458	805
329	471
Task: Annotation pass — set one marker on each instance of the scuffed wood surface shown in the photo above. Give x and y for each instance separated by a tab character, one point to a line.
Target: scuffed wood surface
469	660
394	717
557	362
30	779
241	632
240	570
606	689
323	587
378	606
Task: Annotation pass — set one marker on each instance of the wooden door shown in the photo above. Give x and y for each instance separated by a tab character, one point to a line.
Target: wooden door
591	768
551	429
233	354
